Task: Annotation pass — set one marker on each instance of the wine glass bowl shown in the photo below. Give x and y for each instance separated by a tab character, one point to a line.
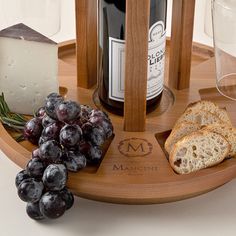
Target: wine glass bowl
224	34
43	16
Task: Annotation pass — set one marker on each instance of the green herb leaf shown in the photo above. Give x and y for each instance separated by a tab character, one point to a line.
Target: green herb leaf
19	138
13	121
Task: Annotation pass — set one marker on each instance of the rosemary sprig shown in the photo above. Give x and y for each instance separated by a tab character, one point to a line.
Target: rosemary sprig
19	138
13	121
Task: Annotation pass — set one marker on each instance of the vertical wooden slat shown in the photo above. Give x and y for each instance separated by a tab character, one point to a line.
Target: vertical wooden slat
136	54
181	43
86	41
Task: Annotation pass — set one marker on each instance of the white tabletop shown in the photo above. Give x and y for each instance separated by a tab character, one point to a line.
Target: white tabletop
213	213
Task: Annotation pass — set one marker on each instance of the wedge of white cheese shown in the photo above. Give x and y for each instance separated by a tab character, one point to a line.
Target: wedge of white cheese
28	68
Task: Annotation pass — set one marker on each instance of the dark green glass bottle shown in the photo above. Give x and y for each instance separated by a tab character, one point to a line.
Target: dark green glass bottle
111	53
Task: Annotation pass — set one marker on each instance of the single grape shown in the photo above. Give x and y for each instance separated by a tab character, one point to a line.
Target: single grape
68	111
35	167
95	134
70	135
52	205
33	211
104	123
51	103
87	129
32	130
74	161
52	131
50	152
55	177
68	197
21	176
98	136
47	120
96	112
40	113
94	155
30	190
108	128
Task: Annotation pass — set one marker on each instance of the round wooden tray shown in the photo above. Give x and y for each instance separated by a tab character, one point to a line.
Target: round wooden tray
135	168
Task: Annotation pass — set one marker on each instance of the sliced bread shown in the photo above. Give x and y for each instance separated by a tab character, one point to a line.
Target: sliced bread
211	107
179	132
200	117
229	134
199	150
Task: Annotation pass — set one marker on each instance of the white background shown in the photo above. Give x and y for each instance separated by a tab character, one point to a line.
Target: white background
210	214
68	32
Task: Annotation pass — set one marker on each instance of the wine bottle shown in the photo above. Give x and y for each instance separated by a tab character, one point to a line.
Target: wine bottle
111	57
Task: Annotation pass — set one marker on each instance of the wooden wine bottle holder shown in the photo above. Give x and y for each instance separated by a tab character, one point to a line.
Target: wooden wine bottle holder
135	167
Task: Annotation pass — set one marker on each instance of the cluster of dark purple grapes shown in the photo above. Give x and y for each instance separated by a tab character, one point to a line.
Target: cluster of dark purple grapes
70	136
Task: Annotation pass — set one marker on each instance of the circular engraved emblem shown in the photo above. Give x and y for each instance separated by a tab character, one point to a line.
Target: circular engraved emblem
135	147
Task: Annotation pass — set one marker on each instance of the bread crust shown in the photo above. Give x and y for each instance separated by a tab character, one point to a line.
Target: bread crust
211	107
200	117
179	131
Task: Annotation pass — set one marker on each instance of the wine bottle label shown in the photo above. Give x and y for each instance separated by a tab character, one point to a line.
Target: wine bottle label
156	64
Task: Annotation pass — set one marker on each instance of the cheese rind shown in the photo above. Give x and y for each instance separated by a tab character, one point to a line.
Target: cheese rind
21	31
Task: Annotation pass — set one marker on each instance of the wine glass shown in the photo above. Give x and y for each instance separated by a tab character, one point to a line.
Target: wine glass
43	16
224	35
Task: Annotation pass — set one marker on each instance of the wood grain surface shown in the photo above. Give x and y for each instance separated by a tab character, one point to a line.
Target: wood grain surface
181	43
86	36
136	57
135	169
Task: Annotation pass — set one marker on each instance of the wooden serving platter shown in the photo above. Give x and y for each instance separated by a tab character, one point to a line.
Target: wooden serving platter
135	169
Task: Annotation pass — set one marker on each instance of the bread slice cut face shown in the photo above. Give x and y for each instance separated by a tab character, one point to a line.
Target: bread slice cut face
229	133
199	150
